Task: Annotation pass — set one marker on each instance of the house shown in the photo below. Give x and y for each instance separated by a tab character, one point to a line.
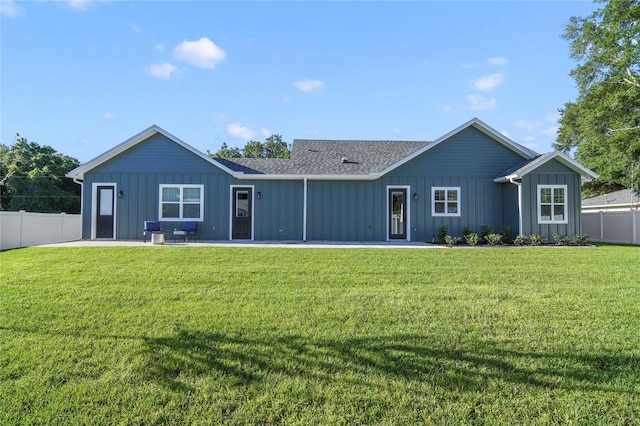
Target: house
622	200
612	218
333	190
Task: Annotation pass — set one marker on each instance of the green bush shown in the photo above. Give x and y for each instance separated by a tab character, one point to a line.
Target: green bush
485	230
580	239
452	241
507	234
472	238
466	231
494	239
537	239
443	231
520	240
560	240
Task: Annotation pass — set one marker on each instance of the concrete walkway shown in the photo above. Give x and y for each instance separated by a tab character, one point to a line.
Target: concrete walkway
280	244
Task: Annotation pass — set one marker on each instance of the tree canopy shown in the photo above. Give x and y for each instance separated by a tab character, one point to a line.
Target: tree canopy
273	147
32	178
603	124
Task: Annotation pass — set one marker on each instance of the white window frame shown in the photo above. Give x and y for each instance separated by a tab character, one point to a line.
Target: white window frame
181	187
446	196
553	204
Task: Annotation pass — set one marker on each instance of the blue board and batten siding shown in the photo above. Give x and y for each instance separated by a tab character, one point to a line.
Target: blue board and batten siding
469	160
341	210
551	173
356	210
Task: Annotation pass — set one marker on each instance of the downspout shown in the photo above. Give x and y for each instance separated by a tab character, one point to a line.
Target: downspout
519	185
81	183
304	211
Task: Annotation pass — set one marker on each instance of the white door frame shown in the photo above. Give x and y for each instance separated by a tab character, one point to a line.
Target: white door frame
94	206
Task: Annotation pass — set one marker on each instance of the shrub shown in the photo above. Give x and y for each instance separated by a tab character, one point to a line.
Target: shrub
485	230
494	239
537	239
507	233
466	231
580	239
443	231
520	240
452	241
472	238
560	240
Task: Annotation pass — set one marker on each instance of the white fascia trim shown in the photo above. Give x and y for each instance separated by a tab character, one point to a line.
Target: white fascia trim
243	176
79	172
479	125
585	173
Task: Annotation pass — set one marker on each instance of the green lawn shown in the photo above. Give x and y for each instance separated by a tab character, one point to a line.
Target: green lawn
186	335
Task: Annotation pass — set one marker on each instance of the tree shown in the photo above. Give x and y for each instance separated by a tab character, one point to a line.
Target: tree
603	123
273	147
225	152
32	178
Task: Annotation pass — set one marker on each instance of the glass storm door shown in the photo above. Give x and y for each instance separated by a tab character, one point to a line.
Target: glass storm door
104	218
241	223
397	214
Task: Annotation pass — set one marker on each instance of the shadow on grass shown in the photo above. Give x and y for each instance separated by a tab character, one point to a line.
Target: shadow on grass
174	361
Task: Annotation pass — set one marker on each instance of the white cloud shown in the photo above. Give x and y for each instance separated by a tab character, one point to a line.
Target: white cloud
498	60
524	124
397	131
550	131
11	9
447	108
80	5
235	130
108	116
84	141
201	53
488	82
266	132
480	103
164	71
308	85
160	47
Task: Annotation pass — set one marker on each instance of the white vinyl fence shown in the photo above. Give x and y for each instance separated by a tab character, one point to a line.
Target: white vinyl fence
23	229
618	227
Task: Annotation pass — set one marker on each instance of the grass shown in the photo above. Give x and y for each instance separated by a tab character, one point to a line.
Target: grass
185	335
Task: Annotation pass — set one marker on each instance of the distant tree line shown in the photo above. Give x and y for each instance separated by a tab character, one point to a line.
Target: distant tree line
32	178
272	147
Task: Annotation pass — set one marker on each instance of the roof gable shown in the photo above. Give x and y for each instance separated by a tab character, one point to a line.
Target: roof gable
524	152
78	172
522	169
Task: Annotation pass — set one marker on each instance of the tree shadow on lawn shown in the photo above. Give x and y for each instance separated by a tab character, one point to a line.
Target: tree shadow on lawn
173	361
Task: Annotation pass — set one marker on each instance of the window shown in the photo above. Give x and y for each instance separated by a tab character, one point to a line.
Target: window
552	203
445	201
181	202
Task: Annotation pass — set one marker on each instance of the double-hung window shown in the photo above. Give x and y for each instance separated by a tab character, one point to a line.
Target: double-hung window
552	203
181	202
445	201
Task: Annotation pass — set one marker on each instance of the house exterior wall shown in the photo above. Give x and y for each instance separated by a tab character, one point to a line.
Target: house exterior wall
470	160
138	173
551	173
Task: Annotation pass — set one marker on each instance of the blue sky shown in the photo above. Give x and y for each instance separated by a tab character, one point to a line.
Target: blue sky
83	76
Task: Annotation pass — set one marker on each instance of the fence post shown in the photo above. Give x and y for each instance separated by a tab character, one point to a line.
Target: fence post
601	226
62	216
22	213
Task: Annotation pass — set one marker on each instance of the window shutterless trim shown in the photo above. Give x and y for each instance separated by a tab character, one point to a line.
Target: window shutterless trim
552	204
447	190
181	203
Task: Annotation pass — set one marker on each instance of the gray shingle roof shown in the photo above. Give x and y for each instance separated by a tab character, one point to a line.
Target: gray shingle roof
329	157
623	196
